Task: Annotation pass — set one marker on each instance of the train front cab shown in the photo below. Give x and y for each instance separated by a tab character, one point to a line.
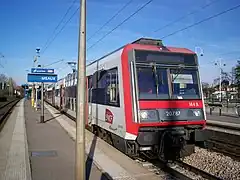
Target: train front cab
165	110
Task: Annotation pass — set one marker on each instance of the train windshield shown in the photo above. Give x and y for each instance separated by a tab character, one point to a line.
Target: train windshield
184	84
167	83
152	84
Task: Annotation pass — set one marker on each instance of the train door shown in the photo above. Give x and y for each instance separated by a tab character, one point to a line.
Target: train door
61	96
89	99
53	96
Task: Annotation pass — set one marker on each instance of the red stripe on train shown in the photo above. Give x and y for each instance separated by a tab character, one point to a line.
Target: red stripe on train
173	123
181	104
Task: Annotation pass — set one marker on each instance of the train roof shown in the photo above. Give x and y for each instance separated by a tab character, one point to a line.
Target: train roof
148	44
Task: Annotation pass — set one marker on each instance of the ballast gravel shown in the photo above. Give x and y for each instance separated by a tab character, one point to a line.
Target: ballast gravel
215	163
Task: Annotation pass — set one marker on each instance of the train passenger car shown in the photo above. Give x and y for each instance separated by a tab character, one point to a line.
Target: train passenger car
58	94
146	98
50	94
70	94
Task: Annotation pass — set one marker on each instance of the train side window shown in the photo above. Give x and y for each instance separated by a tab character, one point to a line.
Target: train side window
89	82
113	87
57	92
106	89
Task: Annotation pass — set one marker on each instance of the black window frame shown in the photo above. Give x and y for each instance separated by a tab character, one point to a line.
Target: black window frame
148	56
99	89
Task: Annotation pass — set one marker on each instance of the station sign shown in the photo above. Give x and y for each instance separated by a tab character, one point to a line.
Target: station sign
45	78
42	71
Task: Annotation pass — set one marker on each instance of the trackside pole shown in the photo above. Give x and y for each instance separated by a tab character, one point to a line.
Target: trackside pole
33	95
81	96
42	104
36	97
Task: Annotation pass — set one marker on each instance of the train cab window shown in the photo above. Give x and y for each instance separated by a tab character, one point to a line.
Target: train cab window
185	84
152	84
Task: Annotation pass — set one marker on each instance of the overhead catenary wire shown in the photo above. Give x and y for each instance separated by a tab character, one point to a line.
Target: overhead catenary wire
187	15
61	29
116	14
60	22
121	23
191	13
61	60
231	52
201	21
108	21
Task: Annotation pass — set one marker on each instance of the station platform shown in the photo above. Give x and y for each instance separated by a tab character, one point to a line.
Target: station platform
30	150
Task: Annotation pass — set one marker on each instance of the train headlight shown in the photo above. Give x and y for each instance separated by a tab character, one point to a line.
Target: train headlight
197	113
144	115
148	115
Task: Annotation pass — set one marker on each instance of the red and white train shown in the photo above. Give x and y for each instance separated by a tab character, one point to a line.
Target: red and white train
142	98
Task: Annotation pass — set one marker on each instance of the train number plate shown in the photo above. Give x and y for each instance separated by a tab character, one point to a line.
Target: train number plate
172	113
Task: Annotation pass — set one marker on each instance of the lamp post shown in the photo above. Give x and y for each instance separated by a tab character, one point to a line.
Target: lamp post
35	65
8	88
220	65
199	48
72	65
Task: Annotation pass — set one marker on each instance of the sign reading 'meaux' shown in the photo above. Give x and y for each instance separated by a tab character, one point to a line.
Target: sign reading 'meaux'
42	78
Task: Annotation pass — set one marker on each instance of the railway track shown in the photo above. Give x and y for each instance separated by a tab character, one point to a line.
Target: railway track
5	110
177	170
224	142
197	171
229	149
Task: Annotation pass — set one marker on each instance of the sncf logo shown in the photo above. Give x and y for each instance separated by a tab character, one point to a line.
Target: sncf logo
108	116
193	104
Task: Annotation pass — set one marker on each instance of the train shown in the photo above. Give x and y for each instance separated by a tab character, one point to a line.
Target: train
144	98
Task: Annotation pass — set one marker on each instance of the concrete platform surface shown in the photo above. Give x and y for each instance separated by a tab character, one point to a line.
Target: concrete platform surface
51	150
14	161
230	128
224	118
116	164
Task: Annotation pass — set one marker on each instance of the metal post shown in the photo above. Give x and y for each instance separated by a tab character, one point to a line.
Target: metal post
42	104
36	101
33	94
220	79
81	96
35	65
219	63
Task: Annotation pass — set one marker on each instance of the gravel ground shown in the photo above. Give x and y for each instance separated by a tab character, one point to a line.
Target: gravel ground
215	163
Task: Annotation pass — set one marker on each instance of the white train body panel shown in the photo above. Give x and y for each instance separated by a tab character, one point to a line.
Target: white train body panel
57	92
97	112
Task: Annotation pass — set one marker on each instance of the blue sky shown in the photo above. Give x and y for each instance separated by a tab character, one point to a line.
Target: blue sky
26	25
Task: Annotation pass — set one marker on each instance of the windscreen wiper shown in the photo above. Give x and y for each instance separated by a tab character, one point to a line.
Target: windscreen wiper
181	68
154	69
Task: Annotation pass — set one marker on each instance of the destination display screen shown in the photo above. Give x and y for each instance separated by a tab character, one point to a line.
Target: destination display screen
164	58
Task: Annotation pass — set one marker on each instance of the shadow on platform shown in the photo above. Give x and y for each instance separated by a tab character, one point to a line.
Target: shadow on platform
89	162
52	118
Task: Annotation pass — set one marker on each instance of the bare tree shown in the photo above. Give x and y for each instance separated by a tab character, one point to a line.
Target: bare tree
3	78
